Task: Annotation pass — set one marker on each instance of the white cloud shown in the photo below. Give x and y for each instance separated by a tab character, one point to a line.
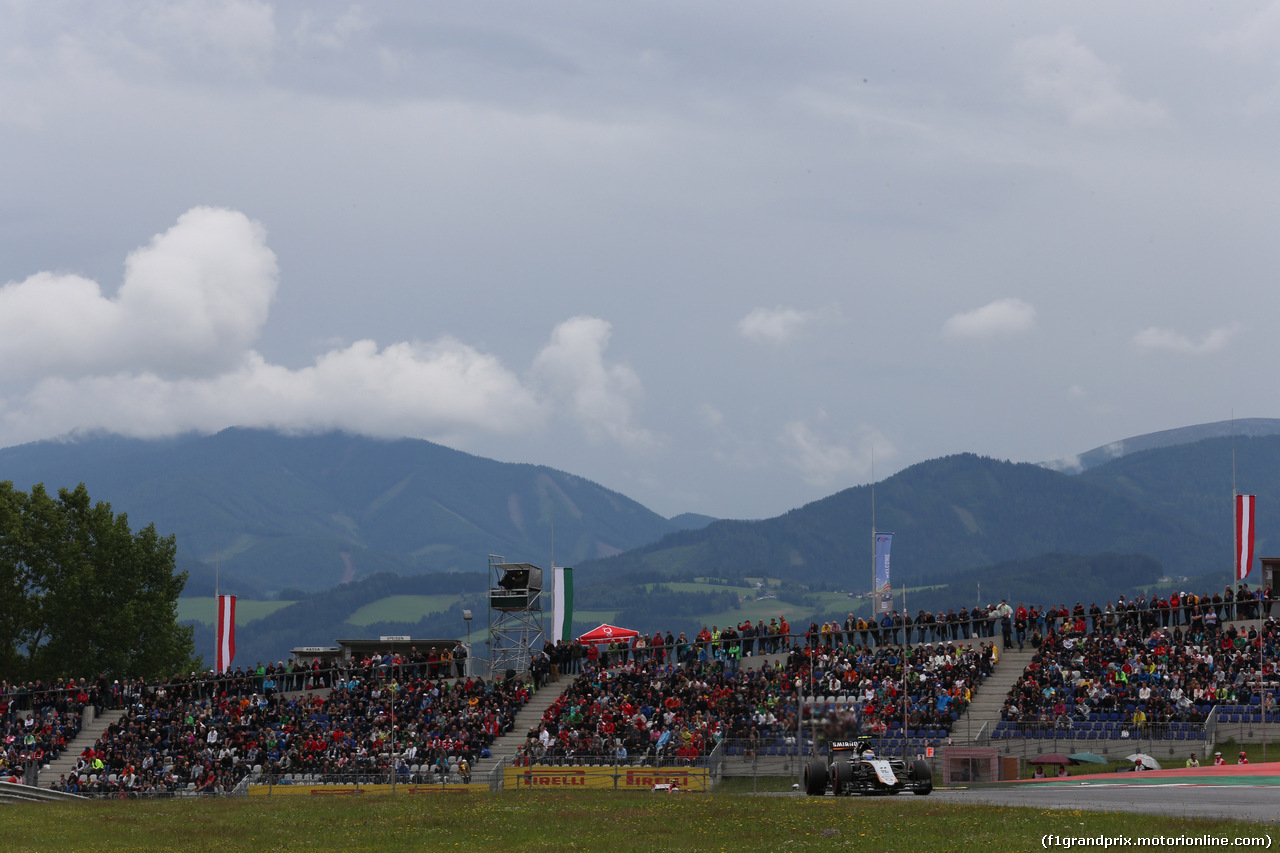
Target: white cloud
1060	71
996	319
193	301
429	390
172	352
773	325
1067	464
599	396
825	463
1168	340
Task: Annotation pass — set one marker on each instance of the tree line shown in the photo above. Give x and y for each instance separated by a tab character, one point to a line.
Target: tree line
81	594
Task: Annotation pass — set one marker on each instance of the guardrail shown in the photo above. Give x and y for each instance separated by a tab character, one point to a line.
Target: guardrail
16	792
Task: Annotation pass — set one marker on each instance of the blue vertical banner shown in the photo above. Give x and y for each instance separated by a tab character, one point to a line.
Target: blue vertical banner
882	591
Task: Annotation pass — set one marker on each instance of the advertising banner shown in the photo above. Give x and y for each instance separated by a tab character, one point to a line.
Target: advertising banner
883	591
620	778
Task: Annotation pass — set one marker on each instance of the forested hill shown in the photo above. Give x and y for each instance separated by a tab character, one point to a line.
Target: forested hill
965	512
309	512
1194	482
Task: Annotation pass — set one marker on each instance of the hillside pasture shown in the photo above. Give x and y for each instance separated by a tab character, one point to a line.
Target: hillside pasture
592	618
204	609
403	608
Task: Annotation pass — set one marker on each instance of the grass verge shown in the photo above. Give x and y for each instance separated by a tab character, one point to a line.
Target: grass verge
583	820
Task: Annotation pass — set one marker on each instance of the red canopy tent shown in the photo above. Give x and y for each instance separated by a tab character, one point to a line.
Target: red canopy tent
607	633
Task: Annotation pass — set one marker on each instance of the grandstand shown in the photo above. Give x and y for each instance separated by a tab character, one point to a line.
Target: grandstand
727	703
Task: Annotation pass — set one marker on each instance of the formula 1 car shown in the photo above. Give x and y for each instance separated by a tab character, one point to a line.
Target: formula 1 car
854	769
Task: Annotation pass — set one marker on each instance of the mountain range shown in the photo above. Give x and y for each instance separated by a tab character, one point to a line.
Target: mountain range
266	511
312	518
964	512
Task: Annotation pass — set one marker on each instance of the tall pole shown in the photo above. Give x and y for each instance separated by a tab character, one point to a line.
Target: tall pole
217	605
1262	687
799	732
906	704
395	752
873	531
813	716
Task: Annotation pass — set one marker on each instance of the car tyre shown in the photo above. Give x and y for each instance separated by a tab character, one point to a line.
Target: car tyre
922	778
843	773
815	777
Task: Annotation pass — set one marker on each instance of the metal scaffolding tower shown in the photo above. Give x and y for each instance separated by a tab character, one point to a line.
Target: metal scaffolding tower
515	615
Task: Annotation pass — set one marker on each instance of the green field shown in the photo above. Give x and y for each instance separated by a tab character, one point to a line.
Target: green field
556	821
686	586
204	609
592	618
403	608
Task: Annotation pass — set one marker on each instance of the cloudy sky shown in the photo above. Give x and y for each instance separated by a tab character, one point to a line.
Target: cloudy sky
713	255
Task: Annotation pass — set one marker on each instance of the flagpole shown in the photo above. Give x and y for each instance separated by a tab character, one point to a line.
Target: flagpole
873	532
1235	527
555	583
217	603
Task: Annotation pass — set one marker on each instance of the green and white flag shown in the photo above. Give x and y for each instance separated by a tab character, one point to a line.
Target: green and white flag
562	612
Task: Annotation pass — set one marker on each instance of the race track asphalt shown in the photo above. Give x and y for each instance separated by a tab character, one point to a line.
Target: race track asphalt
1249	793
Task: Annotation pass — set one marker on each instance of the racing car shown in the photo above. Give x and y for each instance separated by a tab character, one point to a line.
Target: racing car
854	769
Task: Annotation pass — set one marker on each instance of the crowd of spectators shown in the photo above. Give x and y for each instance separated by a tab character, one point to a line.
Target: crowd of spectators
1147	663
666	697
36	722
653	709
359	721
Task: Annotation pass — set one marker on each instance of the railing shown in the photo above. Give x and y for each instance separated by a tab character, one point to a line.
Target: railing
1211	725
408	776
651	757
16	792
1078	730
715	763
496	774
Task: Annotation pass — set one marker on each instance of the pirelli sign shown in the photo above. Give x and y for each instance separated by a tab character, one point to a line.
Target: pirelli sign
618	778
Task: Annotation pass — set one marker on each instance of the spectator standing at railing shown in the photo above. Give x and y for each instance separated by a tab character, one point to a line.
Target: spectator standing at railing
1020	616
704	639
657	648
733	644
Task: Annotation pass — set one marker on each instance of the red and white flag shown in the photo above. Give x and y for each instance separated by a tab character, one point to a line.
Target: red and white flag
226	631
1244	535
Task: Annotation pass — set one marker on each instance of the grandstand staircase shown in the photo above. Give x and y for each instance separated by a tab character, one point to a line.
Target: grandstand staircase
989	698
89	732
529	717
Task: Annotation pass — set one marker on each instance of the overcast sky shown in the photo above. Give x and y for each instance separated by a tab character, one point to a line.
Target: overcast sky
712	255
